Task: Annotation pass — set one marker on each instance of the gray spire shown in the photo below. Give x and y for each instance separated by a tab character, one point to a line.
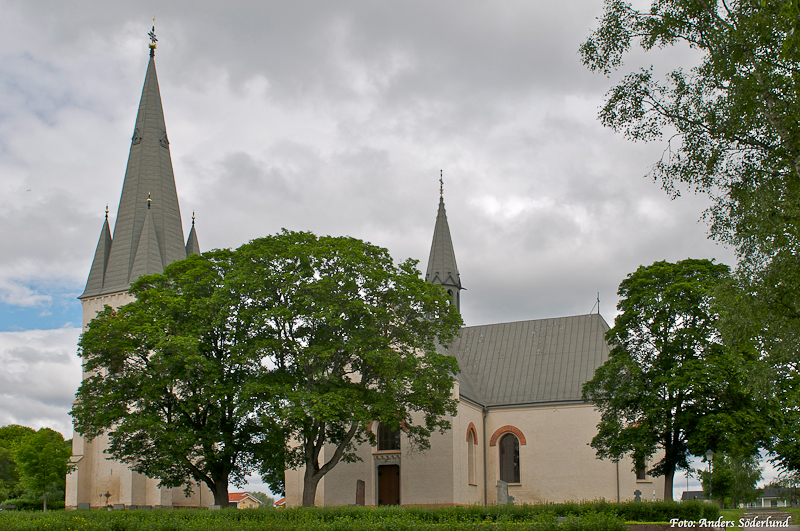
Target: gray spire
149	174
442	268
192	247
94	285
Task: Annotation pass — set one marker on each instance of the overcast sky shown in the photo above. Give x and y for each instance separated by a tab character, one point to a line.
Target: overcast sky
333	117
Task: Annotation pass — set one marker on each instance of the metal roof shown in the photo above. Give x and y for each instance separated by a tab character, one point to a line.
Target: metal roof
148	233
526	362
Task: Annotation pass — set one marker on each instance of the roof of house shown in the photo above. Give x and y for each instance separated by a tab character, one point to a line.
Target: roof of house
236	497
528	362
280	502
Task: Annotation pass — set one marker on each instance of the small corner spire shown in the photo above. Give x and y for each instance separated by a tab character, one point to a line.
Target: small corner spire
148	200
441	183
153	39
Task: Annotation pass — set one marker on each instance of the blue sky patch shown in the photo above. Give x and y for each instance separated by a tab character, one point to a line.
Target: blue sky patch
63	310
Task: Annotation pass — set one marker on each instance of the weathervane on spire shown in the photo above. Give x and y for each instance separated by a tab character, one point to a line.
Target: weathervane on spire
441	183
153	39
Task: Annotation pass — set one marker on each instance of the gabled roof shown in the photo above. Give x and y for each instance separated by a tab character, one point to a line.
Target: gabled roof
442	268
148	175
236	497
529	362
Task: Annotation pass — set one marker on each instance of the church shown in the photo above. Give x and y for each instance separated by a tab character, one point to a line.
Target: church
522	431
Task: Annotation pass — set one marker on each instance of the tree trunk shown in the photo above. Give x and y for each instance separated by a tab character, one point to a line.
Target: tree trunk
220	491
669	477
44	506
310	482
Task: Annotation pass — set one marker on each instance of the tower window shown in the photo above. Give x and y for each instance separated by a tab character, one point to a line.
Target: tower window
388	439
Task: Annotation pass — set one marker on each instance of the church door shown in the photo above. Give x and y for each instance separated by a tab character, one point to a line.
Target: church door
389	485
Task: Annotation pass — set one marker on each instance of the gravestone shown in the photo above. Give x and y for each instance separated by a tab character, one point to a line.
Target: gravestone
360	492
214	507
638	495
502	493
84	506
119	506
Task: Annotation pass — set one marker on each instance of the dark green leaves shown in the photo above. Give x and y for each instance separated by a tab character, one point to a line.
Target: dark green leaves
669	387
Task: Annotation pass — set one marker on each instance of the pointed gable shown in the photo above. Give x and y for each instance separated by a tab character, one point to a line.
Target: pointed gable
192	247
94	285
147	259
148	174
442	268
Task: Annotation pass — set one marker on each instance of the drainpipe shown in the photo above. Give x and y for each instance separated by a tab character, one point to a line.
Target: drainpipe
485	491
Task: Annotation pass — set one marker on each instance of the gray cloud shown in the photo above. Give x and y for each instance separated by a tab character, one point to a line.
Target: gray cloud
334	117
39	374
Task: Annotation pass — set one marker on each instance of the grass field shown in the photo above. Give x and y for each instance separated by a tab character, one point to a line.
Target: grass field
594	516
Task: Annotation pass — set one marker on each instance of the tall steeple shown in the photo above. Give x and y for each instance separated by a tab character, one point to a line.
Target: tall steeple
442	268
148	234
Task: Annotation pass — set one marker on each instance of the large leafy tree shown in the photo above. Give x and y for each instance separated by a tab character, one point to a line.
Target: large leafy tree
170	378
669	387
353	339
733	123
43	460
10	437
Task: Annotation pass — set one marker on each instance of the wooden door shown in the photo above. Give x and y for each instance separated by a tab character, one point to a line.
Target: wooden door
389	485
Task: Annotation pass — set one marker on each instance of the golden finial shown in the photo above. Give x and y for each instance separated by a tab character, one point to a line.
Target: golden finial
441	184
148	200
106	211
192	218
153	39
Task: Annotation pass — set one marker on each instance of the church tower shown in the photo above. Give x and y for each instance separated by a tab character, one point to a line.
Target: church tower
442	268
148	235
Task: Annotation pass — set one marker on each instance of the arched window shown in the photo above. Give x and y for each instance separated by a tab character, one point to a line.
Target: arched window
471	442
509	458
388	439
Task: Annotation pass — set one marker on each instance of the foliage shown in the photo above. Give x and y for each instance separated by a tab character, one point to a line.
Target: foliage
589	516
225	357
10	436
28	504
170	378
668	384
353	339
733	479
735	116
264	498
734	126
43	461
